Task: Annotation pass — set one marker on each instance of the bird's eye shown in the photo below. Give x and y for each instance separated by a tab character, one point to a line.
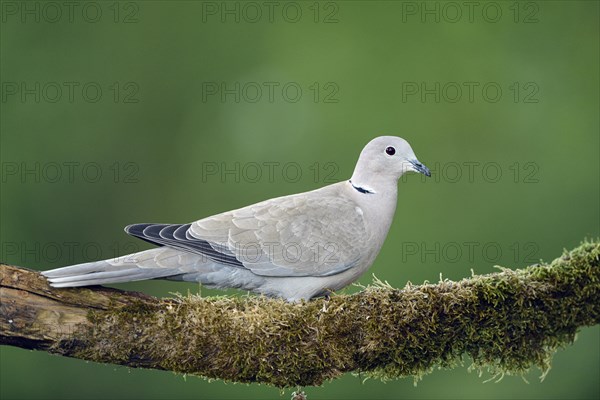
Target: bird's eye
390	151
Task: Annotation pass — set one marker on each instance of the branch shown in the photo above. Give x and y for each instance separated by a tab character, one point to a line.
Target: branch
506	321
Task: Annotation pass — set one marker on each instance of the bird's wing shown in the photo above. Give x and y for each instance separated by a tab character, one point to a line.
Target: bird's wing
299	235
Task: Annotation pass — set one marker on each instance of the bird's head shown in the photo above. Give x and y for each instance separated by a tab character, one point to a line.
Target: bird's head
386	158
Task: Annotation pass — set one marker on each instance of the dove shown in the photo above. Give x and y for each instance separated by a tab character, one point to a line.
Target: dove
294	247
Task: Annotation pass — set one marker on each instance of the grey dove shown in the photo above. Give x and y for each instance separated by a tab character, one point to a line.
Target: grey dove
294	247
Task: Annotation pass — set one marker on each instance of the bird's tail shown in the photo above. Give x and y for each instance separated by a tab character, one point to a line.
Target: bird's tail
150	264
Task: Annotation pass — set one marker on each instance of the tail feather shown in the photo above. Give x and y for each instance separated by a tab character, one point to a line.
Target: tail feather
80	269
150	264
141	275
97	275
162	262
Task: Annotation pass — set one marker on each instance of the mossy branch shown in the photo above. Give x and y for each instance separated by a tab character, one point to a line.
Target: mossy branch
506	321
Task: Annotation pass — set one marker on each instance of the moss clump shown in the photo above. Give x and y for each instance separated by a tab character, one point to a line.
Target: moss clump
507	322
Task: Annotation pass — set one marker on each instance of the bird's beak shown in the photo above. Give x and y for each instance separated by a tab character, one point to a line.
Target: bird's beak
420	167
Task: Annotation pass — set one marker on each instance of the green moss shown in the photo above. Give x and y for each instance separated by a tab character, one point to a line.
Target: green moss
505	322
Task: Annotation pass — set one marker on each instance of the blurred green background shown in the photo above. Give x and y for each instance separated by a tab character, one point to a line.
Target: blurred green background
152	111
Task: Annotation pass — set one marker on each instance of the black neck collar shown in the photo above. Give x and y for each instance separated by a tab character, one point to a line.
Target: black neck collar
361	189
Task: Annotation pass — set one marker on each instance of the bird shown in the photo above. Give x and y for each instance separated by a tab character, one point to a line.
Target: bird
296	247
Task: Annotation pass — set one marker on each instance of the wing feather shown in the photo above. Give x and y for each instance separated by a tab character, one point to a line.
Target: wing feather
299	235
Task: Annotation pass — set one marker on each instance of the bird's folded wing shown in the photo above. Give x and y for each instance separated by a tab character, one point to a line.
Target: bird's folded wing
300	235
